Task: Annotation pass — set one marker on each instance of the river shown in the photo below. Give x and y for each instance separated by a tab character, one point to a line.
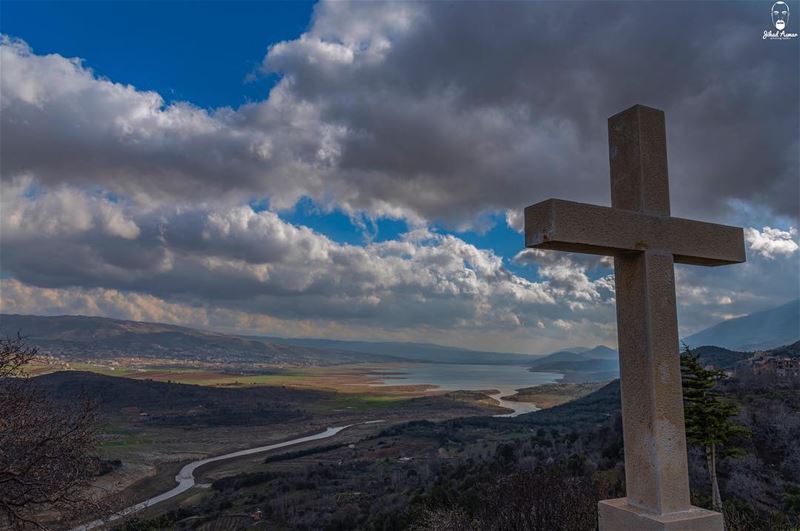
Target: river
506	379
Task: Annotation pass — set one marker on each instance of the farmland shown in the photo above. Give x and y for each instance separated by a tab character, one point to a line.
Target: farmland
155	419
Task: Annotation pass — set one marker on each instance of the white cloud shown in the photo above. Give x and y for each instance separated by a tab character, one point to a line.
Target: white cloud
771	243
421	111
258	264
516	220
539	338
59	212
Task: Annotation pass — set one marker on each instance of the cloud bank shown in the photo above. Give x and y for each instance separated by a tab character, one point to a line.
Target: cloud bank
438	114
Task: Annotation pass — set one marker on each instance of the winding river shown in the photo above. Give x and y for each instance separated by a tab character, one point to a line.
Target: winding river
186	481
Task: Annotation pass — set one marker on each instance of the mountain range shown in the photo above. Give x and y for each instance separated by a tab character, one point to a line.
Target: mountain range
758	331
418	352
85	338
577	355
595	364
723	345
82	337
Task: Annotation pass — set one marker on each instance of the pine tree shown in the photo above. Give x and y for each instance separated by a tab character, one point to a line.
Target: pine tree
708	417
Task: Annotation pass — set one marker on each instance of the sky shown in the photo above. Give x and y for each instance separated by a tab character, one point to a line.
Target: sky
358	170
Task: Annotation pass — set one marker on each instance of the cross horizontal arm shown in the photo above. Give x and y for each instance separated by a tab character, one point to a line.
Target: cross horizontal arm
577	227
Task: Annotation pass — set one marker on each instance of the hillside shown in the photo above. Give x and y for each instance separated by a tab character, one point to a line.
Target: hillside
758	331
421	352
85	338
599	354
138	403
722	358
791	351
479	467
586	365
179	405
719	357
81	337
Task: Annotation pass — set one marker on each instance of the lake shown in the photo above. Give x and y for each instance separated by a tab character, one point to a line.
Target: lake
462	377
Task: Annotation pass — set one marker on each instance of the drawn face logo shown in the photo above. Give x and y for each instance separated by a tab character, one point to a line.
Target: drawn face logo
780	15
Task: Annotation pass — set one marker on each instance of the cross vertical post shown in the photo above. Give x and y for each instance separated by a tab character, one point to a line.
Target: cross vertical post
656	470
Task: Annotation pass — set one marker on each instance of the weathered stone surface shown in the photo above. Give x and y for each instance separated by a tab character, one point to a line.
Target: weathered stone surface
645	242
618	515
577	227
656	470
637	150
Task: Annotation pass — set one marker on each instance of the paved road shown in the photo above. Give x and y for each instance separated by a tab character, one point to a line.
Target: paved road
185	477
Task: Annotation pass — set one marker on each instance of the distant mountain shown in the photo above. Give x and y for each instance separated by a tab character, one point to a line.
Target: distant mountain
722	358
574	350
601	352
719	357
81	337
561	356
758	331
579	349
598	355
791	351
587	365
420	352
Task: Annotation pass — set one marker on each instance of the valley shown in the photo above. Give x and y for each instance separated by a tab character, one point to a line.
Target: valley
150	429
163	406
392	475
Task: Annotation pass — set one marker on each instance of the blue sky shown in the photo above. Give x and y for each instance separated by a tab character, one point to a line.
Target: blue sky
200	52
165	161
208	54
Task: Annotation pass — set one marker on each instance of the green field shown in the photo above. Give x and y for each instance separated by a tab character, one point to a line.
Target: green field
116	437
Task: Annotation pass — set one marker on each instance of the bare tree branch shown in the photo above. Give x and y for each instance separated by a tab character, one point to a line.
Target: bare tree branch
47	460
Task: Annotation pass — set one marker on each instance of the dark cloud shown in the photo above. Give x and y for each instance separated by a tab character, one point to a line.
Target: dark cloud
434	112
486	105
440	111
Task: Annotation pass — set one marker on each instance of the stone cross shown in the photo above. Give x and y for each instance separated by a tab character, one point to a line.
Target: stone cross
645	242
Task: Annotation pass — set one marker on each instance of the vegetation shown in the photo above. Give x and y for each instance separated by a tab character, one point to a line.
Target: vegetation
511	473
708	417
555	394
47	459
406	475
170	405
302	453
544	470
544	499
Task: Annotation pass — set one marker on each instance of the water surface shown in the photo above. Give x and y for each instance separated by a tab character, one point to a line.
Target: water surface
468	377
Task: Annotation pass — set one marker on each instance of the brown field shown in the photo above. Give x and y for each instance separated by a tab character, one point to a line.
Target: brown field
348	379
550	395
152	454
